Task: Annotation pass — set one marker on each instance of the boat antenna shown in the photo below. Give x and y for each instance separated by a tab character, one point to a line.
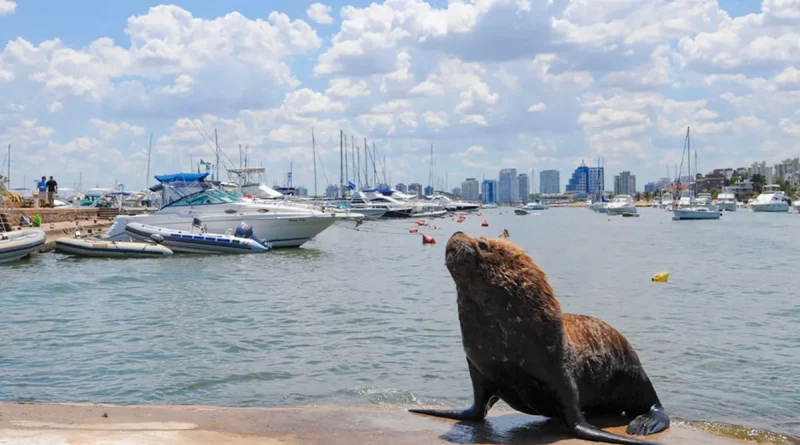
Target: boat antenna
314	154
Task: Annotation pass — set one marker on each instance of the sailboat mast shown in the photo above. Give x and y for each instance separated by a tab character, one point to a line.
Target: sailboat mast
689	160
341	163
346	167
216	146
384	170
149	151
430	172
353	158
358	163
374	168
366	169
8	173
314	154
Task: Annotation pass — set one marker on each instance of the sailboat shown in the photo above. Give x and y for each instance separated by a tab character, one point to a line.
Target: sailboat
698	208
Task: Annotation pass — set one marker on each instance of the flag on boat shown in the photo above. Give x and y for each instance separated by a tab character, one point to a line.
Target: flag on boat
351	186
206	164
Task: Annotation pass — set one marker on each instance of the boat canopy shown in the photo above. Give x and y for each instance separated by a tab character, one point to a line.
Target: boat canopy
181	177
179	185
382	191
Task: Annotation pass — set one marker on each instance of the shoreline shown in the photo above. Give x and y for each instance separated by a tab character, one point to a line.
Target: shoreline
28	423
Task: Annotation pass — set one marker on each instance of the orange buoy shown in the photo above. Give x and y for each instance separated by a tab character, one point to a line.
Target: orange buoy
420	223
479	214
484	224
428	239
412	230
504	234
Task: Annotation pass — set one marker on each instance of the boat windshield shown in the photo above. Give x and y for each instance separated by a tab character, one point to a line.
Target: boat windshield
208	197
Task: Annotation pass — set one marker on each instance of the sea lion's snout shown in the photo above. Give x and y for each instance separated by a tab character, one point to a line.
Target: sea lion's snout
461	253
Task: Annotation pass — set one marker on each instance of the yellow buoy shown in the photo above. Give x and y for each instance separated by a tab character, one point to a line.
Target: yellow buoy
661	277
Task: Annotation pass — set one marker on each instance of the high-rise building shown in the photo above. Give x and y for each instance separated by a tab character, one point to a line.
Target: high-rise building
469	189
489	191
301	191
457	191
763	170
524	187
650	187
549	182
625	183
508	186
428	190
401	188
415	188
587	180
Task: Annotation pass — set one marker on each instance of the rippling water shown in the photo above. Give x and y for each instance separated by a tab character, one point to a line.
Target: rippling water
369	316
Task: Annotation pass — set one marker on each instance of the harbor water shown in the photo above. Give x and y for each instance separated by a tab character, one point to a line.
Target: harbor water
368	315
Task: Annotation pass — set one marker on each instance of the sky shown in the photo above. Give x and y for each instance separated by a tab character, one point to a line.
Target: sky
491	84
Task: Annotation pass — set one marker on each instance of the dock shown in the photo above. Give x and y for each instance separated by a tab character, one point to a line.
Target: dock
96	424
60	222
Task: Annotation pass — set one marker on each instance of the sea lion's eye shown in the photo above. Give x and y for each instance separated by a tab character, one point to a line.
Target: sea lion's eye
483	245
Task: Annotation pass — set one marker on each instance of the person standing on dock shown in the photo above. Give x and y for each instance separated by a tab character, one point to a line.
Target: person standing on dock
42	186
52	189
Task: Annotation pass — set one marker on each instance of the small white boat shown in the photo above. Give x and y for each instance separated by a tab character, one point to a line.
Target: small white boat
536	206
19	244
188	242
110	249
727	200
621	204
771	199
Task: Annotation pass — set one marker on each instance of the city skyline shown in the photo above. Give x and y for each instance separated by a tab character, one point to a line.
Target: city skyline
85	84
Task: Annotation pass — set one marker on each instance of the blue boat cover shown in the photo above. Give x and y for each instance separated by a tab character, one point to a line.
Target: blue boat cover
182	177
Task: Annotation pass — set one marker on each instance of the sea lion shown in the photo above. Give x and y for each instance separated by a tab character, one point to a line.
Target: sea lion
522	349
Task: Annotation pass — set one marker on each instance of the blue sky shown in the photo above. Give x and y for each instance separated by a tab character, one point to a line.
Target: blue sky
506	83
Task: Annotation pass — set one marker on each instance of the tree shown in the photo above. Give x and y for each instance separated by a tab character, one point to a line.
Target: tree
637	196
714	193
648	196
758	183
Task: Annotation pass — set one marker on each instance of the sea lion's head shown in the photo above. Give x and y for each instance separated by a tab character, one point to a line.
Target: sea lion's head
490	265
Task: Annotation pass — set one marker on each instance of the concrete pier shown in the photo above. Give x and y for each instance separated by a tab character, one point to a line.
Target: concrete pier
95	424
61	223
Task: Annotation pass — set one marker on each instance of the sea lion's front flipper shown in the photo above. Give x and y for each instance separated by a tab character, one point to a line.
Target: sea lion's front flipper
654	421
484	398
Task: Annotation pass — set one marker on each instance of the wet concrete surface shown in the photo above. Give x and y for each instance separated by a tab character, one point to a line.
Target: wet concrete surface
93	424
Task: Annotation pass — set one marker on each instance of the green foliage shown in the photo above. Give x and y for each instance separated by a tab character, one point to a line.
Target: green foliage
637	196
714	193
759	181
648	196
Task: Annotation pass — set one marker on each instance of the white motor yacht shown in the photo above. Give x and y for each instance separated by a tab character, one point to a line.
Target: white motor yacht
621	204
369	199
187	200
771	199
535	206
455	206
727	200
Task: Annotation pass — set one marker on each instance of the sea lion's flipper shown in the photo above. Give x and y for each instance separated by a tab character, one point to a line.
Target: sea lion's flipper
654	421
483	399
573	416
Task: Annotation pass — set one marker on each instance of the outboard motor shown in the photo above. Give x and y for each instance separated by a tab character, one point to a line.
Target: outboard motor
245	231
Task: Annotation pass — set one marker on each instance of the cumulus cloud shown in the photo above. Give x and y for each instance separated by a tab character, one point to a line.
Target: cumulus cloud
320	13
521	82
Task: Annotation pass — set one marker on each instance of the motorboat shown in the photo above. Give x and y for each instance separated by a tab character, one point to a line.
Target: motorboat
93	247
598	206
771	199
621	204
520	212
367	199
727	200
489	205
191	242
18	244
698	208
454	206
535	206
187	196
666	201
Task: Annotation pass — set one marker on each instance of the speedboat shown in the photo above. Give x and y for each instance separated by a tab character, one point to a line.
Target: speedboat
455	206
621	204
520	212
19	244
727	200
771	199
535	206
368	199
187	196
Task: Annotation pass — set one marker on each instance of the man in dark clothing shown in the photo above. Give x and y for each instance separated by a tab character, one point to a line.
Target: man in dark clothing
52	189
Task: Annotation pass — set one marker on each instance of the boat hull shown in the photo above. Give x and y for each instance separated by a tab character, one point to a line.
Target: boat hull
727	206
279	231
113	249
620	210
17	245
680	215
187	242
774	207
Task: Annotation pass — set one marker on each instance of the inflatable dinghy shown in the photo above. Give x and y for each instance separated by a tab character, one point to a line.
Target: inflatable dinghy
242	241
19	244
110	249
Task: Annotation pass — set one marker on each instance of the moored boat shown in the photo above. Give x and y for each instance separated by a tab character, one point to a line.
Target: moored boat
771	199
188	242
110	249
19	244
